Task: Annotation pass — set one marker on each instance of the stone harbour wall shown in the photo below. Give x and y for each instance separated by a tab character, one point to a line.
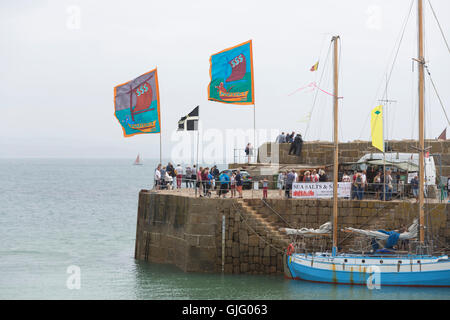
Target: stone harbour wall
187	232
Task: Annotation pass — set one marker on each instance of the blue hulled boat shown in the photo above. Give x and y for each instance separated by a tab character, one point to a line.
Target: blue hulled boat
385	270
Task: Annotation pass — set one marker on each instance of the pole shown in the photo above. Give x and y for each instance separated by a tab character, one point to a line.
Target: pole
254	130
198	142
336	144
384	144
160	147
421	121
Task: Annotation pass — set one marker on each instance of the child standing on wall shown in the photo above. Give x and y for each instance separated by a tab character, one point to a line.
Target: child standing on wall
265	186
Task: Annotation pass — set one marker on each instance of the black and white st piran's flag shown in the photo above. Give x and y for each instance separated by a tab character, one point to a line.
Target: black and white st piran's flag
189	122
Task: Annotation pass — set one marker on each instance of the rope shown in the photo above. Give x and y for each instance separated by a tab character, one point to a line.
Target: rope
439	25
437	94
315	96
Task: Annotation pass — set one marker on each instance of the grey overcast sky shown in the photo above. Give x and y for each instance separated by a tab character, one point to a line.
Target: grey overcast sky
60	60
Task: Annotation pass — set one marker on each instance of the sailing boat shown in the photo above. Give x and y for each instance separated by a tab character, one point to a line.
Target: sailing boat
419	269
138	161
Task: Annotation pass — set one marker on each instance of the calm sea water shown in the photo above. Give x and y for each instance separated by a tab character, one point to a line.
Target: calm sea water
57	213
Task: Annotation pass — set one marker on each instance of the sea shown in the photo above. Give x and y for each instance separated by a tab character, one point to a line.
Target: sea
68	229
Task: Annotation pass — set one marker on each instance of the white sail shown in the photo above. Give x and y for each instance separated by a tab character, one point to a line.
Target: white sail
410	234
323	229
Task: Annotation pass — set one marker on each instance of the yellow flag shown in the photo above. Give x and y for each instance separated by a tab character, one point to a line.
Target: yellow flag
376	126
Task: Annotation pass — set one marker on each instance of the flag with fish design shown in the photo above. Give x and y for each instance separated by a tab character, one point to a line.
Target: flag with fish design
231	72
136	104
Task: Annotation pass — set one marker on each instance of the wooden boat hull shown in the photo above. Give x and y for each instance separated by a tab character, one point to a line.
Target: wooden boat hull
410	270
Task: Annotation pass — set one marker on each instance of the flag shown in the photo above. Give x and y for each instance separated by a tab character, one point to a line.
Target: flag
376	125
189	122
315	67
136	105
231	73
443	135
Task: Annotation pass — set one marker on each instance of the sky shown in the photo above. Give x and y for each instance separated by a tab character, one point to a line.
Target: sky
60	61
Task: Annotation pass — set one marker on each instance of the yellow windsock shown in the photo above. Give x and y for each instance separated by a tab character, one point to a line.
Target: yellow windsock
376	126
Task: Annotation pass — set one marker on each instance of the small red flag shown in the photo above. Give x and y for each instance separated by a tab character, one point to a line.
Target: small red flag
315	67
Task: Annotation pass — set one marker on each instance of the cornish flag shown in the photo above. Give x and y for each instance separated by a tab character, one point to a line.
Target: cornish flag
189	122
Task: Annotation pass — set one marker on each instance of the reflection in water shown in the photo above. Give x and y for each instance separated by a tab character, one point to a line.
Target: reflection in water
155	281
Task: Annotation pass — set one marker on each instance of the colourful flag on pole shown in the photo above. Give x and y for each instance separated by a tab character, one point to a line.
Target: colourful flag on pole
231	72
136	104
376	125
315	67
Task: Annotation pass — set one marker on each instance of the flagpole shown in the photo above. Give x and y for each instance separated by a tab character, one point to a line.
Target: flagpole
160	147
254	129
198	143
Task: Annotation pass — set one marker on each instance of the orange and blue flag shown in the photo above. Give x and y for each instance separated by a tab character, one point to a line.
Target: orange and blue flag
136	105
231	73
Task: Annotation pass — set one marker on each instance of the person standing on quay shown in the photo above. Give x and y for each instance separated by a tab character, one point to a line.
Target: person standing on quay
205	181
224	182
281	182
364	183
359	186
239	183
377	184
157	177
193	176
179	175
248	151
198	184
187	177
389	186
298	142
290	178
292	149
265	186
233	184
280	138
415	187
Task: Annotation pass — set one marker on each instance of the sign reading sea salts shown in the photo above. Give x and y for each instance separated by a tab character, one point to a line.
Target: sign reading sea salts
305	190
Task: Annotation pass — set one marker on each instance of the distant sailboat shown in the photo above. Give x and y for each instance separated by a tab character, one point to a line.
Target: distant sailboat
138	161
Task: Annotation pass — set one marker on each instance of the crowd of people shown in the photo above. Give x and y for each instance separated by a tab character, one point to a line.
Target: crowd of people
202	180
382	184
287	178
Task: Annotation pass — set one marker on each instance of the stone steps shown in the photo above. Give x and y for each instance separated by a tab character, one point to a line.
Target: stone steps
262	226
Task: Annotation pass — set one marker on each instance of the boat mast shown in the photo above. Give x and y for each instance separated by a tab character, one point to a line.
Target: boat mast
336	145
421	63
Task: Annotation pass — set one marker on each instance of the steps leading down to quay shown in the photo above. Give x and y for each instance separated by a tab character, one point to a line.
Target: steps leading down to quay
262	225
